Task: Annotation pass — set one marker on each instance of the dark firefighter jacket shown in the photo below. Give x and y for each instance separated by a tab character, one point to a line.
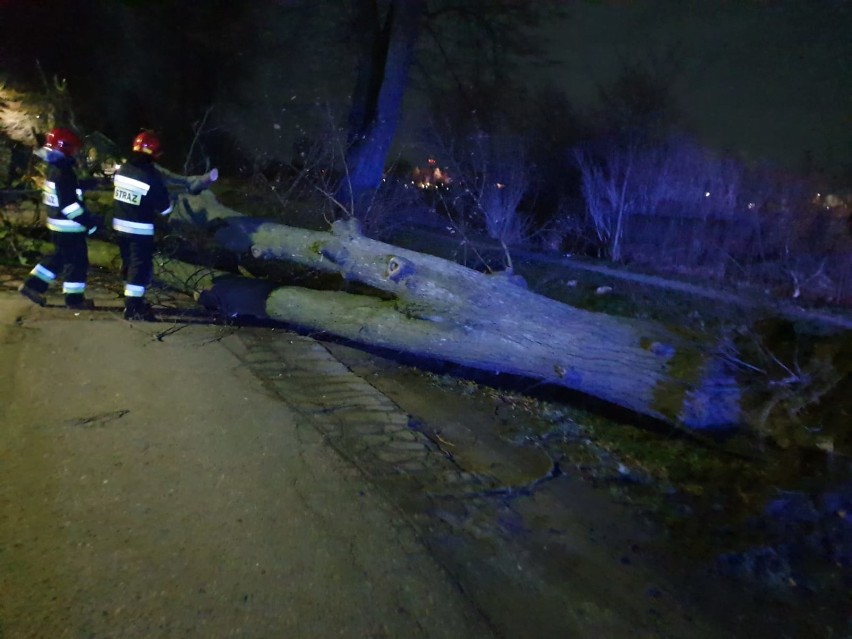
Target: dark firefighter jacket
140	195
63	198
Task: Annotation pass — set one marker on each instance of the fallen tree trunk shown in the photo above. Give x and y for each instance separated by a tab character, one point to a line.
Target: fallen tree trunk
423	305
608	360
432	307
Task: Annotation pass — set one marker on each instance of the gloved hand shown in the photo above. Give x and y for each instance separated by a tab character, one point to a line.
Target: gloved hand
95	222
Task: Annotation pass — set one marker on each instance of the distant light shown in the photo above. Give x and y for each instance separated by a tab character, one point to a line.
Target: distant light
499	185
751	205
707	194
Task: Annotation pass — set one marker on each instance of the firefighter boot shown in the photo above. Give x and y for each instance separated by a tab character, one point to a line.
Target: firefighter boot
76	302
136	308
33	295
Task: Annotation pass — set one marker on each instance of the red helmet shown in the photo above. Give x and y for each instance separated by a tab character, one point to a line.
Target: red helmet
148	143
63	140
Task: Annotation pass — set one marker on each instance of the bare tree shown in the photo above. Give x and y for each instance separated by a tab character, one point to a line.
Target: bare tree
387	36
670	178
493	172
491	31
606	183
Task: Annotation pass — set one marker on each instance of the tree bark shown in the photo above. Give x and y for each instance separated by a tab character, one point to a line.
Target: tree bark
431	307
386	53
192	183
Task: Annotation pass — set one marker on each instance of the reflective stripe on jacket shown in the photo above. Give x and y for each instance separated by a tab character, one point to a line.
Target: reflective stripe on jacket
139	196
63	198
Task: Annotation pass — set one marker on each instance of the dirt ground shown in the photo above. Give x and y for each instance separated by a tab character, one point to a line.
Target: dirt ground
187	479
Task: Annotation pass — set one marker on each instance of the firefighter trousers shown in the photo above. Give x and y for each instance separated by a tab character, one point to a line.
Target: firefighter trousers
69	263
137	263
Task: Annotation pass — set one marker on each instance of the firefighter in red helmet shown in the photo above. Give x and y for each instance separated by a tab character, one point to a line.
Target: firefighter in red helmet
140	196
147	143
69	222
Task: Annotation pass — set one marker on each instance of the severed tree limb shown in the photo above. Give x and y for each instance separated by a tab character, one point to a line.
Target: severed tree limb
437	308
192	183
444	310
626	371
423	305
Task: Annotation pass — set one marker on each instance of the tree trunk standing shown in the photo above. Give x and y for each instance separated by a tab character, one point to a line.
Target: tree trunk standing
386	54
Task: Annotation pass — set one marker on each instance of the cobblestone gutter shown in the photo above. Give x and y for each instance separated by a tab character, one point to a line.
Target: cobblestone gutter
527	580
358	421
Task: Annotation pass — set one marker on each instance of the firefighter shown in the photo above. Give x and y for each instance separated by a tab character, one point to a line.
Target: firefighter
69	222
140	196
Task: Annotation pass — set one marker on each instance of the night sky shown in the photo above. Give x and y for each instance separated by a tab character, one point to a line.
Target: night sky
771	79
766	79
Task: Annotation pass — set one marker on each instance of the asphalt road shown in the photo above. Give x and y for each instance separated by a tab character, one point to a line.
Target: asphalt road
180	479
154	488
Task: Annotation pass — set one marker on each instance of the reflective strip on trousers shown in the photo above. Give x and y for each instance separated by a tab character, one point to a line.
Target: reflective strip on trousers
134	228
45	275
134	290
73	287
64	226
